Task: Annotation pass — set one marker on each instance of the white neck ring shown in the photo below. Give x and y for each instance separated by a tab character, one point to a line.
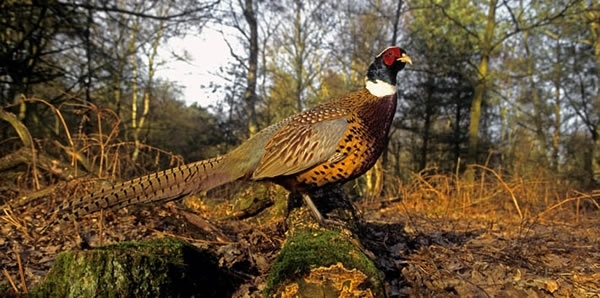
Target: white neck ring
380	88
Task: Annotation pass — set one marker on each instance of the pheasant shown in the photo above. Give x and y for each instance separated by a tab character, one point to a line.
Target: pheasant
331	143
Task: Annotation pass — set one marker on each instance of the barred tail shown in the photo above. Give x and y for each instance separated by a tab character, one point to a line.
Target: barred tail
161	186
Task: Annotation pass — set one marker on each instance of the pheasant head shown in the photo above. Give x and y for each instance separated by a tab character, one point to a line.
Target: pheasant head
381	76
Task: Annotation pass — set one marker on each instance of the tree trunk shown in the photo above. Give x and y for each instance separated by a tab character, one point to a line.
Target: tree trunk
480	87
250	96
555	159
427	125
595	154
139	124
538	105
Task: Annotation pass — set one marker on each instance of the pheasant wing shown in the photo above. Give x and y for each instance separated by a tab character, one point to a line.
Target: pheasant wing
300	146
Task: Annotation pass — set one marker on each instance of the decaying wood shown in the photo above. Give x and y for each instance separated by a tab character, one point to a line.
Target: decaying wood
324	260
157	268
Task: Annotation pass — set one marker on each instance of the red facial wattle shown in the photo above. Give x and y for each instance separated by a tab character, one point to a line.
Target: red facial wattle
391	55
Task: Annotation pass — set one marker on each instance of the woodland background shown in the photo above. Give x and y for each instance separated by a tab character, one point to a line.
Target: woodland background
489	184
512	85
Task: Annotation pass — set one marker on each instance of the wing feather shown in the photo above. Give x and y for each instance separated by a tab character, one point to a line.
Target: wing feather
300	146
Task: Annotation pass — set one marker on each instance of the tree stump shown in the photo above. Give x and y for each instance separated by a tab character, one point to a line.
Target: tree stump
156	268
329	261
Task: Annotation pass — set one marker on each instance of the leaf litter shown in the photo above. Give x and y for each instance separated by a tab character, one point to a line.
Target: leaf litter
420	254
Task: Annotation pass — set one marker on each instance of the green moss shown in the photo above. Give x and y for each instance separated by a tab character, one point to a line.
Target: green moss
308	249
163	267
261	191
4	287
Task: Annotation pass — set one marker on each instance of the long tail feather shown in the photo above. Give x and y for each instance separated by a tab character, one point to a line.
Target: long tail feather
161	186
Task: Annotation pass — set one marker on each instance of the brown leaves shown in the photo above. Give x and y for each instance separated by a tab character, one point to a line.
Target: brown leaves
436	252
461	258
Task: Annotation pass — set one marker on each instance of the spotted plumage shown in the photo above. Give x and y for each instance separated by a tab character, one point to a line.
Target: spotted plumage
331	143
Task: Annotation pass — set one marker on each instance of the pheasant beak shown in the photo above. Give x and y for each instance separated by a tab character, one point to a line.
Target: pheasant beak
404	58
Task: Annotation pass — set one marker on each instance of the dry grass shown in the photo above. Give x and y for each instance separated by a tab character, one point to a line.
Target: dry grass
494	236
92	147
492	193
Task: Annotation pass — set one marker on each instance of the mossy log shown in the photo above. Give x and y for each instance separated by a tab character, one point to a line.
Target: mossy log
328	261
155	268
320	263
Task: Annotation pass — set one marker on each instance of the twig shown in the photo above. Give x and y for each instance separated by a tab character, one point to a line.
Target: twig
10	280
21	272
101	227
12	219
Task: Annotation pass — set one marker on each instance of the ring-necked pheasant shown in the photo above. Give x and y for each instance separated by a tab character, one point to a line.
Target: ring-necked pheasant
334	142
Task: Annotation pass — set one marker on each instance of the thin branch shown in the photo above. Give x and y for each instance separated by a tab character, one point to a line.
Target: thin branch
106	8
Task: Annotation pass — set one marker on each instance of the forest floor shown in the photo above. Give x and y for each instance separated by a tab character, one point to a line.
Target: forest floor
423	247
